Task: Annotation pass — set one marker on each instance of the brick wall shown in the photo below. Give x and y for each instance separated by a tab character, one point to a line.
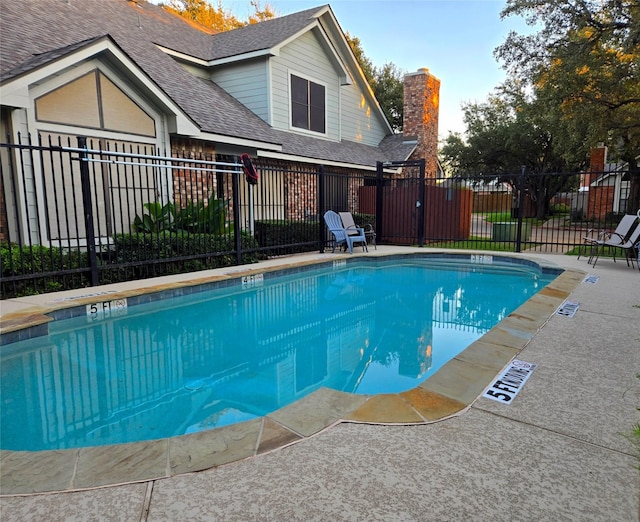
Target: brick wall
192	185
421	112
600	201
597	162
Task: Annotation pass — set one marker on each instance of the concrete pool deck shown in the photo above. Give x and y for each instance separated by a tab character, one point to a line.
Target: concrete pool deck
558	452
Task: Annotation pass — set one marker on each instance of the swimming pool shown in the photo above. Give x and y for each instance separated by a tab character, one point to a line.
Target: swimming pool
245	347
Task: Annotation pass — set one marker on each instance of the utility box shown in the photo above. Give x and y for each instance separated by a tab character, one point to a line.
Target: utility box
508	231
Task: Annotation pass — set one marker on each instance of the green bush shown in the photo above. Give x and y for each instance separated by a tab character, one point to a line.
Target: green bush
559	208
149	255
29	259
577	215
131	256
298	236
198	217
613	218
45	264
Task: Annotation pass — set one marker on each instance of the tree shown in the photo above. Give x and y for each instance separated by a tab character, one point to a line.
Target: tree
507	133
218	18
584	63
388	86
365	63
261	14
386	83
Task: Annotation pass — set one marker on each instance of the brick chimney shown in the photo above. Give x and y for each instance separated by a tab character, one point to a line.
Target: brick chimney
421	110
597	162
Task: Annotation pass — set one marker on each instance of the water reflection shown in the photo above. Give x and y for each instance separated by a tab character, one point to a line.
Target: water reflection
214	359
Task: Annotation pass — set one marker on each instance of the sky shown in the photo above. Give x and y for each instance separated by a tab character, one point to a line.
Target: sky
454	39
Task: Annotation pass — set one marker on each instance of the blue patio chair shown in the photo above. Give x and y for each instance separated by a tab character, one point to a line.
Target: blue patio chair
353	229
340	235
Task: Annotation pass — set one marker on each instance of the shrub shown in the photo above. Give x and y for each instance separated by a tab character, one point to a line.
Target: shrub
559	208
164	253
613	218
361	219
201	217
45	264
577	214
279	237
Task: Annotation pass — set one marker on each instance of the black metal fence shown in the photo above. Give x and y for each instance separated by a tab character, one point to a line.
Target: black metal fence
77	213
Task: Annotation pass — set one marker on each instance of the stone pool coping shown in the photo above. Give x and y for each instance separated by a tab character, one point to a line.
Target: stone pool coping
449	392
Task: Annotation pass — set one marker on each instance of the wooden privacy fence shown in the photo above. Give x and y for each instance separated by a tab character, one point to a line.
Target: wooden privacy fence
446	213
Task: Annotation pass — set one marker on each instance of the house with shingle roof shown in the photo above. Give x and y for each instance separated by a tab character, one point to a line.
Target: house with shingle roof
286	90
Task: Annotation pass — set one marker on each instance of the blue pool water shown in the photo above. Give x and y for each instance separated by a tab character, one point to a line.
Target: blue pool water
184	364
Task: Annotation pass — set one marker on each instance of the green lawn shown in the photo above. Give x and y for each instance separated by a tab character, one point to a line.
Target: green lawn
479	243
502	217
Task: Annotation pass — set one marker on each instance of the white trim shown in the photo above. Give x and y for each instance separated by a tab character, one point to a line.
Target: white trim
243	57
182	56
297	35
242	142
617	192
315	161
59	128
155	113
217	61
345	78
340	114
347	54
15	92
269	79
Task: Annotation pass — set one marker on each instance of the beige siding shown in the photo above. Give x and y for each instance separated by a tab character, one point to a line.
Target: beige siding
121	113
93	101
74	103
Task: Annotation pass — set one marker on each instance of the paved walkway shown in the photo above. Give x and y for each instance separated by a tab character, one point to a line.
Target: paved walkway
558	452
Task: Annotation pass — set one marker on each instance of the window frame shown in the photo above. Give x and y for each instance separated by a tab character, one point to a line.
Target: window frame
310	83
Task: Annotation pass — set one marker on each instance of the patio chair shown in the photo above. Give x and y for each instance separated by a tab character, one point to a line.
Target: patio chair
630	246
352	228
619	234
340	235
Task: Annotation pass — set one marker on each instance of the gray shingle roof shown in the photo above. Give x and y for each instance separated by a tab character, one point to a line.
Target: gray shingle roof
51	28
36	32
395	148
258	37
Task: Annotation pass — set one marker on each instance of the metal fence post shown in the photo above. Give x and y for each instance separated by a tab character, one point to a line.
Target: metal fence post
520	207
87	205
379	197
237	228
321	204
420	204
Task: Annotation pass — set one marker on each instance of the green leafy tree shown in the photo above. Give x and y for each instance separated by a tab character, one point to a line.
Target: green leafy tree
584	64
386	82
509	132
389	90
365	63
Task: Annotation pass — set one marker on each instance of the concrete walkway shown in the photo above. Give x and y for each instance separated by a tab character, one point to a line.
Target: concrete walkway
558	452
